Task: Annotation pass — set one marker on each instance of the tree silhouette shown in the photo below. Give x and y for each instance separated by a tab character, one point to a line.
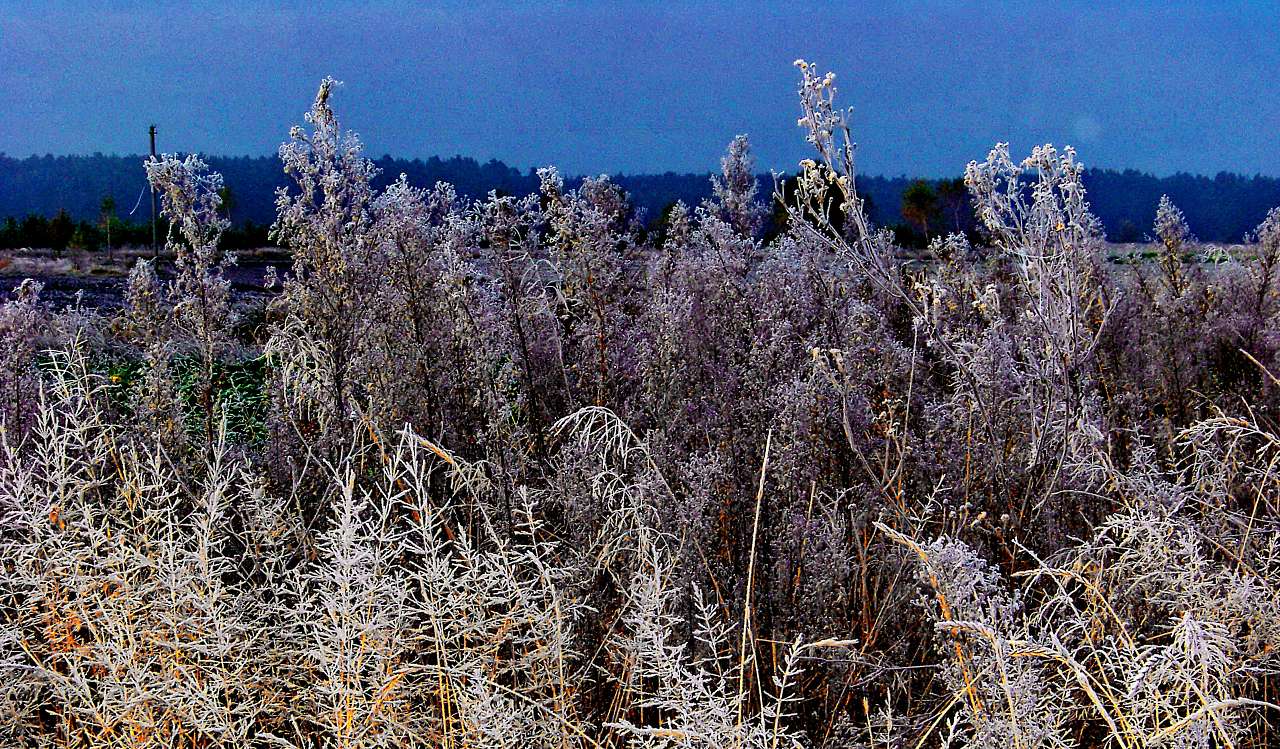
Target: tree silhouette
954	199
106	217
228	199
61	229
920	206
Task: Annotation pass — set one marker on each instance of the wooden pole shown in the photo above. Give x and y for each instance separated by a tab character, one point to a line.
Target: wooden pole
155	247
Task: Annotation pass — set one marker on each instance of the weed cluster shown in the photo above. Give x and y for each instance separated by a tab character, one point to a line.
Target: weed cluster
518	471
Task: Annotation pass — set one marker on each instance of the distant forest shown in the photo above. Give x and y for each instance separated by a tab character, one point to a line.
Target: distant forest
1220	208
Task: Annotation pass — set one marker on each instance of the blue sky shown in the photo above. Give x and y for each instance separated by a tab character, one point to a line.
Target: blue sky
649	86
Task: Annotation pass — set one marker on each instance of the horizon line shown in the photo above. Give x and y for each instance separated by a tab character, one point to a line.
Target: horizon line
532	169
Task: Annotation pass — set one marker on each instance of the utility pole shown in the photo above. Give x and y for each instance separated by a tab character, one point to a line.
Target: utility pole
155	247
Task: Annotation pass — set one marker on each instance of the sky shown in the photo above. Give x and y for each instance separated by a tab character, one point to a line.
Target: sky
631	87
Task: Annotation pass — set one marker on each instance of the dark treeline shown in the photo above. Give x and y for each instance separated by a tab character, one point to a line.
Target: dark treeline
108	231
45	185
1220	209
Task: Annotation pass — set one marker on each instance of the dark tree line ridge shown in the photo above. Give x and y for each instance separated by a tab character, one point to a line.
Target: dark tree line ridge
1223	208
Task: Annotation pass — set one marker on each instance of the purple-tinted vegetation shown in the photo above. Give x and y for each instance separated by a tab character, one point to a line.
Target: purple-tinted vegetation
518	472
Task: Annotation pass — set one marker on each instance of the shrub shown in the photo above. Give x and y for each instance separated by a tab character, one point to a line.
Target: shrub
516	471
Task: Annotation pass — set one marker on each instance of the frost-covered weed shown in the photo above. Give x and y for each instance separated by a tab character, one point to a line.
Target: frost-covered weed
533	473
199	298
